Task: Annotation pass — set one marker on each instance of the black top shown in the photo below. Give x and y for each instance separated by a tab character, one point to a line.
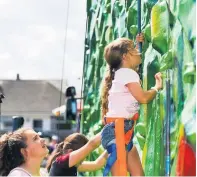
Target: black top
60	167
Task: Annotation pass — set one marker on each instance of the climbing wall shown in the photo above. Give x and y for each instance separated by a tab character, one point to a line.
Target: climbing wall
169	47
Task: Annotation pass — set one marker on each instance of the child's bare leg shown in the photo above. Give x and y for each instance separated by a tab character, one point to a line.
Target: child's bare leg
134	165
114	169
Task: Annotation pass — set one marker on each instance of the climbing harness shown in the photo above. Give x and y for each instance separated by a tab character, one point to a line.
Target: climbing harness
118	151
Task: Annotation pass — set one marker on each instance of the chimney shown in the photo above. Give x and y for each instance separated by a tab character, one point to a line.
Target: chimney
17	77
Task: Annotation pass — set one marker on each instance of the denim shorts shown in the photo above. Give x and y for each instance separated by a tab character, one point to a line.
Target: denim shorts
108	132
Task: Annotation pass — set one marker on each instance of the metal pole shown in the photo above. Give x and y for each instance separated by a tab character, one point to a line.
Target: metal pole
139	22
167	160
168	109
1	97
139	31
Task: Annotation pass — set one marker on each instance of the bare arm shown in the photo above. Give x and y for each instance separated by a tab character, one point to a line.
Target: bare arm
80	154
139	94
142	96
94	165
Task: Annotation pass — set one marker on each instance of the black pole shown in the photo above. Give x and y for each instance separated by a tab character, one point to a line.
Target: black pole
167	168
139	22
1	97
139	31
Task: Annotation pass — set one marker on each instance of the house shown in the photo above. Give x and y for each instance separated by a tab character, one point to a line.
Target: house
34	100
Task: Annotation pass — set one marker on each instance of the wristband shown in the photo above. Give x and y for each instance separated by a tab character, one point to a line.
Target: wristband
154	88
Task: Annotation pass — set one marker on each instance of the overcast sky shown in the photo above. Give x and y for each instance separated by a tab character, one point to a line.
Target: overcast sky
32	36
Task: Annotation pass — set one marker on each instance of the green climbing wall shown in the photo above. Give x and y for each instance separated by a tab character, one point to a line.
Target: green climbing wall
170	42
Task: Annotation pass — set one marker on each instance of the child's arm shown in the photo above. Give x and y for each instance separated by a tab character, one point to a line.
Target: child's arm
142	96
94	165
80	154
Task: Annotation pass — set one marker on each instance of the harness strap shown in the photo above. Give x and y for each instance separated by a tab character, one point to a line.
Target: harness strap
111	149
118	151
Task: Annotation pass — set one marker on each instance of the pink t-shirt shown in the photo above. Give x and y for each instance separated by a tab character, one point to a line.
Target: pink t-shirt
121	102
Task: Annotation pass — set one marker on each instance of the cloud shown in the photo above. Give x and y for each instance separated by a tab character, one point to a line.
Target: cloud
4	2
41	32
32	37
5	56
35	41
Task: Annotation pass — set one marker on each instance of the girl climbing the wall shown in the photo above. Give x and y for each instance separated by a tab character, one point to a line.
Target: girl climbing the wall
68	156
122	95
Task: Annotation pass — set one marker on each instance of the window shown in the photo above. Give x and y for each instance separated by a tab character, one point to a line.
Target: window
8	124
63	126
57	117
37	125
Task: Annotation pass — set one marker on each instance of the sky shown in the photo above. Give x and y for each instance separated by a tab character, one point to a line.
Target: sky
32	39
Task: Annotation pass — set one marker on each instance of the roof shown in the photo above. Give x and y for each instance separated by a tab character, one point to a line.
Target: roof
30	96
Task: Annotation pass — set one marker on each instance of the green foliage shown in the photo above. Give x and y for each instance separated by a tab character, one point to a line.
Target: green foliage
170	37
